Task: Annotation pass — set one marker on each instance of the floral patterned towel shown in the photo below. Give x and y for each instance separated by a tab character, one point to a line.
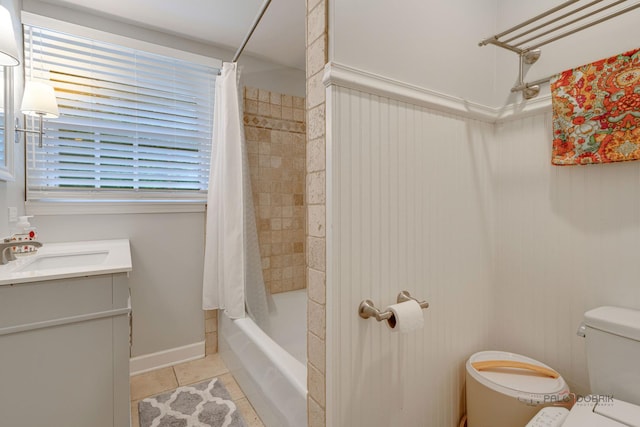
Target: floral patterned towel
596	112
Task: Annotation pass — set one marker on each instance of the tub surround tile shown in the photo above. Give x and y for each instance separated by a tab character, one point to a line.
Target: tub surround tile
316	413
276	136
264	96
211	324
210	332
152	383
316	286
316	217
276	98
298	102
316	352
298	115
316	319
316	253
315	155
315	197
210	343
316	22
315	91
316	385
316	122
316	188
316	57
251	93
287	113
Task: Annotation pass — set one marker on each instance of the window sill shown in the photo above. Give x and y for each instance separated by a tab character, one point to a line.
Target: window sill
97	207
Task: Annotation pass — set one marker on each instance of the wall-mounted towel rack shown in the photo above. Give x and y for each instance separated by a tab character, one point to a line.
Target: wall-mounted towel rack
569	17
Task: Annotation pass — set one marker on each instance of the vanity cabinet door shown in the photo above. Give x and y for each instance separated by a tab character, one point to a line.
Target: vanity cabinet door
63	361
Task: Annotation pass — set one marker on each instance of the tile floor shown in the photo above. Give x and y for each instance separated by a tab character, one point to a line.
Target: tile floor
165	379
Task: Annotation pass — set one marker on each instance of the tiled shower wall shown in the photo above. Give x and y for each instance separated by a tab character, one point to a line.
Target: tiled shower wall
275	133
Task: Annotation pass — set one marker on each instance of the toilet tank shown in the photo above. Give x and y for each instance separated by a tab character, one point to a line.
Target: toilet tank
613	352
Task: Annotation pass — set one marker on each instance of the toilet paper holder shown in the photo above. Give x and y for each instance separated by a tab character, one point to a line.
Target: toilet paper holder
367	309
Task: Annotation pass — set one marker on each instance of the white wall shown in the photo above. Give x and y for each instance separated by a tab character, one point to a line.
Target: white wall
166	281
431	44
567	241
409	206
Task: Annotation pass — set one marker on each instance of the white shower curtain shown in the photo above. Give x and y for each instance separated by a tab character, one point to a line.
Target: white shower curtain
232	264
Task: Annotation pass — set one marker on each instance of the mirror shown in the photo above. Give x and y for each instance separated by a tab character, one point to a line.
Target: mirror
6	118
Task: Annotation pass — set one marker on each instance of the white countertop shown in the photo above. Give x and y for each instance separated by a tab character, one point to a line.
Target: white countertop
70	259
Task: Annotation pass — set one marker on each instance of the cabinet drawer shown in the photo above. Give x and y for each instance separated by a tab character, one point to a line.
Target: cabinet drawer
39	301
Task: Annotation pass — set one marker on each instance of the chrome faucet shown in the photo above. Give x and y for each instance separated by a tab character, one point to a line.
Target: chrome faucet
6	254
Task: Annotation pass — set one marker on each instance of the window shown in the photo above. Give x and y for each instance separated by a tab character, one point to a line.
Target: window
132	125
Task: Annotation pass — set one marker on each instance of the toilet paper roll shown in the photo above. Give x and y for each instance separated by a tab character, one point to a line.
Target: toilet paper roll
407	317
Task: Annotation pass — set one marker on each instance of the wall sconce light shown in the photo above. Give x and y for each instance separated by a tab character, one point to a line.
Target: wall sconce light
8	47
39	100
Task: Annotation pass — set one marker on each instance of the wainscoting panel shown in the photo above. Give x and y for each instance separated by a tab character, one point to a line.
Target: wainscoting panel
409	206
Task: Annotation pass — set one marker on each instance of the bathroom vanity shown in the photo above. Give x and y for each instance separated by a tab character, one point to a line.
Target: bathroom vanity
64	336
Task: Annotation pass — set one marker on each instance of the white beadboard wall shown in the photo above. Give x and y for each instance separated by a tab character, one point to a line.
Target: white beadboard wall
409	206
568	240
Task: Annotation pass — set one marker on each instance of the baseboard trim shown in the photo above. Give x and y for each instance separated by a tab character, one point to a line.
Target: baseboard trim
162	359
352	78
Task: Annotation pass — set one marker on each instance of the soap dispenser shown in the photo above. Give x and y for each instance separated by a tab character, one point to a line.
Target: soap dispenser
24	233
24	229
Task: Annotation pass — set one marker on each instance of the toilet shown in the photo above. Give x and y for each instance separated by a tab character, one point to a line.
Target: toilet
613	360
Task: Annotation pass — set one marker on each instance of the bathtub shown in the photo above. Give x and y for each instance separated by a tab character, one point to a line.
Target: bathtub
271	369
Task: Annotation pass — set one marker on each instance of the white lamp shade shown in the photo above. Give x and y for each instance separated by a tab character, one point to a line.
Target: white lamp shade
39	100
8	47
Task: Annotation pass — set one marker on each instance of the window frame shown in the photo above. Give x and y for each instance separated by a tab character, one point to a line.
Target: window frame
95	201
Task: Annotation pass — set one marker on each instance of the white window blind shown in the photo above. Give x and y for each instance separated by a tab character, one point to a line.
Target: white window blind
132	124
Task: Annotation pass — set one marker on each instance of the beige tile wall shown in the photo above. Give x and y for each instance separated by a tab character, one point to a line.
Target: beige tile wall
210	332
317	40
276	142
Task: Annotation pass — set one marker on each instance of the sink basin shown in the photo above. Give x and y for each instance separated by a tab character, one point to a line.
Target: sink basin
47	262
67	260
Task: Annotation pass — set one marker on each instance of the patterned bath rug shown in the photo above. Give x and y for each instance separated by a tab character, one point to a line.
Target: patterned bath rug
206	404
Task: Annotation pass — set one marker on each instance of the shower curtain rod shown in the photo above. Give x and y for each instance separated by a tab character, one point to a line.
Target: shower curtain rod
256	21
